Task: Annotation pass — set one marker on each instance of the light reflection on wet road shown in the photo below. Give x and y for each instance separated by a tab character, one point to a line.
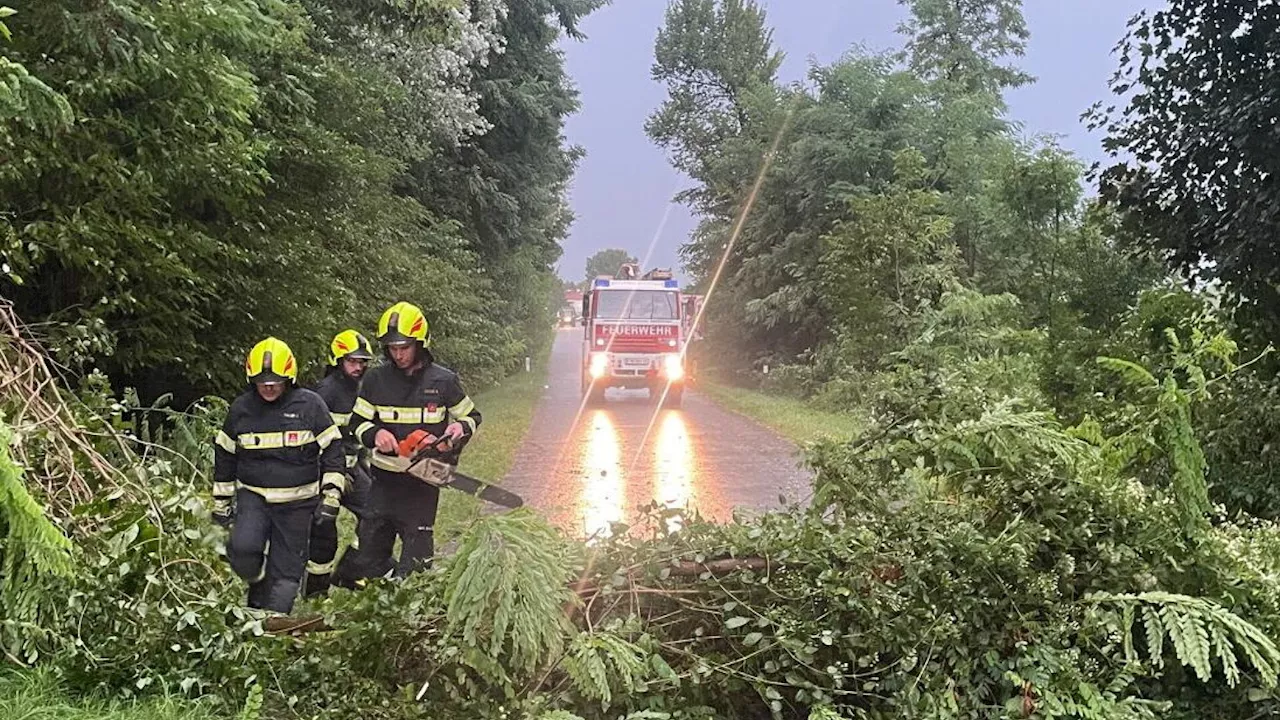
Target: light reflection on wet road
585	472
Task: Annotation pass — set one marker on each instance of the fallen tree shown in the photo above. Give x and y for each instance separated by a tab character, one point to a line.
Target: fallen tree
993	563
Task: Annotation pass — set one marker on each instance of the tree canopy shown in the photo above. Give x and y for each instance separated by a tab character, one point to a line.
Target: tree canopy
607	262
349	155
1194	167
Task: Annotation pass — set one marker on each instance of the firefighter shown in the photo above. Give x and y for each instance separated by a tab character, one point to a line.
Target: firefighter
277	465
349	356
408	393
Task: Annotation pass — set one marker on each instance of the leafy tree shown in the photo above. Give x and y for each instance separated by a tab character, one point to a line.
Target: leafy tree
957	46
795	169
962	43
23	96
778	168
119	219
890	257
506	187
607	262
1195	160
711	54
1033	203
161	248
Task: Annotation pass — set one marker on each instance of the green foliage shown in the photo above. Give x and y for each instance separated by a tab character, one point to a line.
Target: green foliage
253	705
607	262
712	55
558	715
1160	420
834	212
517	549
908	260
596	662
103	228
26	100
37	695
962	43
800	162
506	187
1192	172
32	552
891	257
162	248
1201	631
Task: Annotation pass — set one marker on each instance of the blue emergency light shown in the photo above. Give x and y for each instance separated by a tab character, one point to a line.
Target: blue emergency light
671	284
601	282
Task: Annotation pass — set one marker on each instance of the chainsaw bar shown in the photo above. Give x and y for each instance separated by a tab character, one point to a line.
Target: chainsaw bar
434	472
484	491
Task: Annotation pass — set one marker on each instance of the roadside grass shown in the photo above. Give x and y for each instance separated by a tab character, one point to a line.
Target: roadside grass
36	695
792	418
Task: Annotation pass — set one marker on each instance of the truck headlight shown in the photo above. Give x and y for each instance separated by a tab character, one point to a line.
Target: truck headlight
599	365
674	367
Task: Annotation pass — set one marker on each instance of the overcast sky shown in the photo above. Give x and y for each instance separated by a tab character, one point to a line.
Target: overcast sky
621	193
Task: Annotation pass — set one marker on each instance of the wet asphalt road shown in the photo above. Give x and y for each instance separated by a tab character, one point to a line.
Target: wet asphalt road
587	467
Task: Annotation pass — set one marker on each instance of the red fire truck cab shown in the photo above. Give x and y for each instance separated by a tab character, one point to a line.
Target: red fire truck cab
634	335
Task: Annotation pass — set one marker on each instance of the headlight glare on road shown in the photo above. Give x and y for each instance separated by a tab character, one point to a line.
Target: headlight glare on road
599	365
675	368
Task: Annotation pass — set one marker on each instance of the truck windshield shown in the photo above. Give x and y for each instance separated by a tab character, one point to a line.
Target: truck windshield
636	305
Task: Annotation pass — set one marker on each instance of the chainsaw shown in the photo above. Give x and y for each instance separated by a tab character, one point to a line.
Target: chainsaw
424	452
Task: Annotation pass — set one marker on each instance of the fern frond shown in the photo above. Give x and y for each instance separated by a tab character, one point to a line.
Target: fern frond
252	705
1200	630
32	548
1155	634
596	656
1012	435
507	589
1130	655
1185	455
1130	371
1225	654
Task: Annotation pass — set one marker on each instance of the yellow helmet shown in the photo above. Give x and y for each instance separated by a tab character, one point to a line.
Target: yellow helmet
271	361
402	323
349	343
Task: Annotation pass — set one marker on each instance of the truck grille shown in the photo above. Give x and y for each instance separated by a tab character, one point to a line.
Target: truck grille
621	344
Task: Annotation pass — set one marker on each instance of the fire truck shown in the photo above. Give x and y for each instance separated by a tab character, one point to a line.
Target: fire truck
634	335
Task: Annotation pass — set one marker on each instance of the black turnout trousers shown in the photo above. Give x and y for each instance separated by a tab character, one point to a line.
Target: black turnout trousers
322	570
401	506
269	547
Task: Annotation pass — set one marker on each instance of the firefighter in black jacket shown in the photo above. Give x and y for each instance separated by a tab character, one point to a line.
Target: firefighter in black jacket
408	393
277	464
349	355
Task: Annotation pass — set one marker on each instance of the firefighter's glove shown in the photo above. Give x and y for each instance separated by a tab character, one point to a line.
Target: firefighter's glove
454	431
222	512
327	512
